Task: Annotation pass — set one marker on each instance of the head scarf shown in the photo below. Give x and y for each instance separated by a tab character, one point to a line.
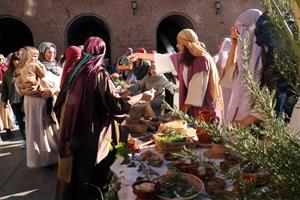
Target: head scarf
226	44
130	50
190	40
92	57
141	50
82	77
223	53
73	54
51	66
245	24
240	101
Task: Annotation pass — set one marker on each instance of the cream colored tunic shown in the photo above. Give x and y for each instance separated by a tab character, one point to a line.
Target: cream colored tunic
40	142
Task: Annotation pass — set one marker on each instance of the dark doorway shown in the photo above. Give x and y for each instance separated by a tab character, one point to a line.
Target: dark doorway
167	32
83	27
14	34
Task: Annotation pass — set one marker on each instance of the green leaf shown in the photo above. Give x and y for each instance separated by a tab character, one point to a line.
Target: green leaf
122	150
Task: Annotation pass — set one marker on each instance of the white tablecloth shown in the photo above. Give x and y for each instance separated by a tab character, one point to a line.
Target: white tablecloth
127	175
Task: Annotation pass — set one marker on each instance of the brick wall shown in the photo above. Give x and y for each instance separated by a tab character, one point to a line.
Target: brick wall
49	19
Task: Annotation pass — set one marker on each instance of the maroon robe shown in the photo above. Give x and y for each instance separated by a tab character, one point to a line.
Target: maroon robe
91	106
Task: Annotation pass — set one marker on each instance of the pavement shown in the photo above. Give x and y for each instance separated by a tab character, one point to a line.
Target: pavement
17	181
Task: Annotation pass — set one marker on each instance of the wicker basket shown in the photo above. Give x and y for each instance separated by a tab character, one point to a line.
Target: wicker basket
166	147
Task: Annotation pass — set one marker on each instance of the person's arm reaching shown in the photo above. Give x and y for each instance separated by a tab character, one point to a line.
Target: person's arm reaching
145	56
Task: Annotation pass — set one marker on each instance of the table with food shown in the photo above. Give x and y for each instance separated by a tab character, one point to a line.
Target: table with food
155	172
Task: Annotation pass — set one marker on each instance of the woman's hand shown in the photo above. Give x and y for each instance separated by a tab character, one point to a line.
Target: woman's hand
115	75
234	34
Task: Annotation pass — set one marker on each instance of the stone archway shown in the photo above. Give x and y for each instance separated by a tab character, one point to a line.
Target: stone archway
84	26
14	34
167	31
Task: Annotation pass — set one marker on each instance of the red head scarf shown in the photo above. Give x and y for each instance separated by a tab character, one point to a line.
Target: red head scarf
73	54
141	50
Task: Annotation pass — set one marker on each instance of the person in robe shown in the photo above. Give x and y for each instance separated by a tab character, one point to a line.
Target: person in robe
196	71
73	54
240	108
124	68
159	83
6	113
89	106
47	54
11	97
140	67
40	136
221	57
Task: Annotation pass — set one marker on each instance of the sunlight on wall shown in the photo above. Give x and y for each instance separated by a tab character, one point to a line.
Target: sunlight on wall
5	154
30	8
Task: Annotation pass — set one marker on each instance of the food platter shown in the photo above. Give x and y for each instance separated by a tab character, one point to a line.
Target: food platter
187	186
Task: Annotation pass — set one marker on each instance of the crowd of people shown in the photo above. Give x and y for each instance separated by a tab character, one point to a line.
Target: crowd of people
70	110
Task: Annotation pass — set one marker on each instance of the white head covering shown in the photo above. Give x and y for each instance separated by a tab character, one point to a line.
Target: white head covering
240	98
245	24
226	44
222	56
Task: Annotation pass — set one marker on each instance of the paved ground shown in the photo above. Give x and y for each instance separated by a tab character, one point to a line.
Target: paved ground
17	182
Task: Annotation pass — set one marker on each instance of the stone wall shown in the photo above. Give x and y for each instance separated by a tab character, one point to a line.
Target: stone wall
48	19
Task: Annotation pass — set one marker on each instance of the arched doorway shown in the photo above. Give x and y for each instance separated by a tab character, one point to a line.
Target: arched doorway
84	26
14	34
167	31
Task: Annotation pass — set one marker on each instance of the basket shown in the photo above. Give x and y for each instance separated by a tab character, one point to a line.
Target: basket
165	147
179	125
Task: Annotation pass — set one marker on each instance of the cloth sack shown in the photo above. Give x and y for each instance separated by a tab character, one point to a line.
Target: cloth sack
7	117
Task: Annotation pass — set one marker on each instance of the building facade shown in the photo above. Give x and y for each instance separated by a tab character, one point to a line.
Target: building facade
122	23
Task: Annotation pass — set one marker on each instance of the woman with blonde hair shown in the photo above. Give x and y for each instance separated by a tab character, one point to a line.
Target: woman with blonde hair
196	71
40	141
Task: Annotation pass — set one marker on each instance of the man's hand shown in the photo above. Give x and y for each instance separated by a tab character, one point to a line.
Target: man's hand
234	34
115	75
133	57
148	95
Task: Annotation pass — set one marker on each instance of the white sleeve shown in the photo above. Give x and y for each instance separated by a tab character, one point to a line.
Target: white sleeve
197	89
164	64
